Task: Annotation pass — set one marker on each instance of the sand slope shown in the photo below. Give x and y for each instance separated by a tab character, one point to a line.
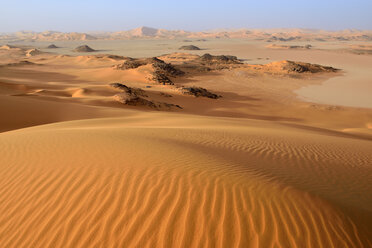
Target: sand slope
257	167
173	180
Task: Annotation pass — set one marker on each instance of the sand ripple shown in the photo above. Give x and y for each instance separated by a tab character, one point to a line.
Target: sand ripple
136	182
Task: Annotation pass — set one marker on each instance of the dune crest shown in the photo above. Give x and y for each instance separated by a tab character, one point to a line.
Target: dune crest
143	181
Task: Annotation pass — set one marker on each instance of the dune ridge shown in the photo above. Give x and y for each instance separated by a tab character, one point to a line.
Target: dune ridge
160	180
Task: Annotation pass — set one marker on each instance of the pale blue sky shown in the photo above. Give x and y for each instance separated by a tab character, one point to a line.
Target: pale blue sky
192	15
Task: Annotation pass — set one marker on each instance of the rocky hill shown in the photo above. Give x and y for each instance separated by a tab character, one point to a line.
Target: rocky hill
84	49
287	66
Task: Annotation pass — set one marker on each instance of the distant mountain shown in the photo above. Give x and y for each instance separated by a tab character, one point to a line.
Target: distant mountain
147	32
269	35
48	36
143	31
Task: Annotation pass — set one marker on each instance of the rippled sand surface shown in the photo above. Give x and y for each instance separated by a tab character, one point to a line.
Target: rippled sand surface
179	181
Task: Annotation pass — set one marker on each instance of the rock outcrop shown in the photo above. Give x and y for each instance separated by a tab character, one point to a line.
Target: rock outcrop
136	97
131	100
129	64
52	46
160	67
84	49
160	78
129	90
33	52
165	68
189	47
198	92
293	47
220	59
297	67
162	71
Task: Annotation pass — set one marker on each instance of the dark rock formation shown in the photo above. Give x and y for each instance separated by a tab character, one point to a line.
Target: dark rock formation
224	59
159	66
189	47
300	67
289	47
135	97
129	90
52	46
161	78
292	38
129	64
132	100
83	49
33	52
165	68
165	94
162	71
198	92
116	57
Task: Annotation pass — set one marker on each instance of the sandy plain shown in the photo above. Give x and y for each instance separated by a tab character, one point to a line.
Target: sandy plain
280	160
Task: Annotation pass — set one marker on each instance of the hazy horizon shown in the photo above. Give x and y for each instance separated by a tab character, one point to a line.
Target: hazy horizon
206	30
111	15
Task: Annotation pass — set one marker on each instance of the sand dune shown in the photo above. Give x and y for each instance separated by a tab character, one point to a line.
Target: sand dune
87	161
161	180
269	35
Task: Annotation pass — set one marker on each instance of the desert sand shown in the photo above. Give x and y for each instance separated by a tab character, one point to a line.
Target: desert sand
185	149
267	35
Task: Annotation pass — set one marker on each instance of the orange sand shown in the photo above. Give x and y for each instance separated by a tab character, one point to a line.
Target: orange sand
256	168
